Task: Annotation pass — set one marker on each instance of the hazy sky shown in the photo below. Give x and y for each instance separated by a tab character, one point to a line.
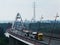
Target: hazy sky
47	8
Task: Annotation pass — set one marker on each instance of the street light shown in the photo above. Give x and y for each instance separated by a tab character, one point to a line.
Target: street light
41	19
53	29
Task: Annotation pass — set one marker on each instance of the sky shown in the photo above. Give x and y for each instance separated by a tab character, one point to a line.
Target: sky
46	8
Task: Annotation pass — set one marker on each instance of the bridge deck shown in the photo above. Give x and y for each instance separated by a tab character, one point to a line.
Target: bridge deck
27	39
35	42
54	40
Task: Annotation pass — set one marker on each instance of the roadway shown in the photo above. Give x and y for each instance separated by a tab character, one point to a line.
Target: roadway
36	42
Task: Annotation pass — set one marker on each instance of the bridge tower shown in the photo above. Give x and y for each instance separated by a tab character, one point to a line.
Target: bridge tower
18	23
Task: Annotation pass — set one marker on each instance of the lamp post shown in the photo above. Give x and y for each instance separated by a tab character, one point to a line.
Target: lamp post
53	29
41	19
39	24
